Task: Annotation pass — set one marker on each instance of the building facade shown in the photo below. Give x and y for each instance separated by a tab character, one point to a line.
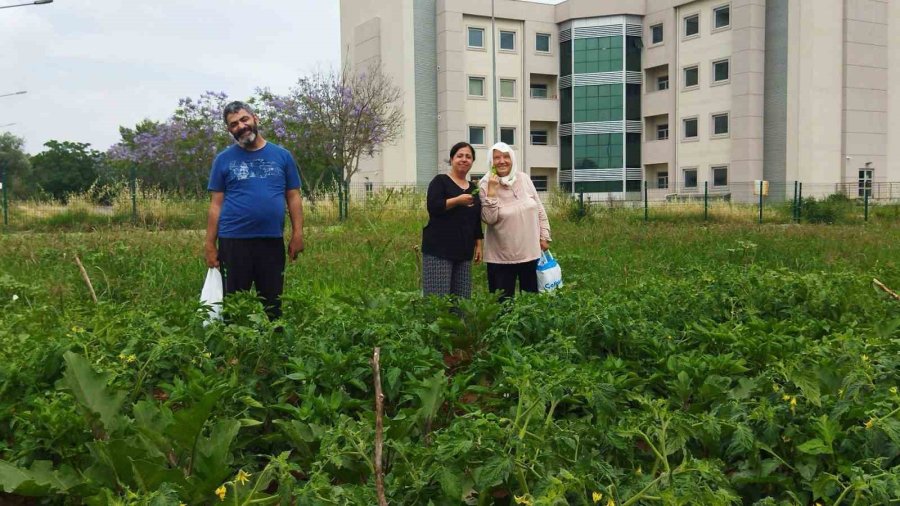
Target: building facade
603	97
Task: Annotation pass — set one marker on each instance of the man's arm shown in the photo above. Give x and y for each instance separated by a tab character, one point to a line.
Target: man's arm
295	209
212	228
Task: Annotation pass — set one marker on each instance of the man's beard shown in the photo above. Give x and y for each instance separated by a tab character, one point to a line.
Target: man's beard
247	136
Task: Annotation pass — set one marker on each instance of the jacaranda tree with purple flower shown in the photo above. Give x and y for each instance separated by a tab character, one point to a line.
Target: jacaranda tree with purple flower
351	114
176	154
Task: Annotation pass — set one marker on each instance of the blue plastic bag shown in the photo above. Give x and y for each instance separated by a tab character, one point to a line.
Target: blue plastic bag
549	274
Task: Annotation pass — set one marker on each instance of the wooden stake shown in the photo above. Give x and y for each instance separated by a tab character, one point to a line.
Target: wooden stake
86	278
379	428
890	292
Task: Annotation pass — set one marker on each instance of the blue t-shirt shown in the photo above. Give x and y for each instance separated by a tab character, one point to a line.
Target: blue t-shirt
254	183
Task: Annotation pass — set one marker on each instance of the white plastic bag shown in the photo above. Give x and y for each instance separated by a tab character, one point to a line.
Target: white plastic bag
549	274
212	295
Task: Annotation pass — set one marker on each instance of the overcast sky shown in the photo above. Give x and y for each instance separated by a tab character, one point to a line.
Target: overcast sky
90	66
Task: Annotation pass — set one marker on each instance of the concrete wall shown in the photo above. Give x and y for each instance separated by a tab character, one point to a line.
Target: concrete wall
707	98
892	167
815	91
382	30
865	87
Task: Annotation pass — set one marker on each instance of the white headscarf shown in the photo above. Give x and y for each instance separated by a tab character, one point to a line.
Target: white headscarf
508	179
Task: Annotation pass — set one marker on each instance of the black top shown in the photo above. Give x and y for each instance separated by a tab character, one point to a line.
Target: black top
450	234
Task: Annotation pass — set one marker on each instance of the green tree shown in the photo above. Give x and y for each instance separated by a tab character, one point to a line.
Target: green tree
65	168
15	164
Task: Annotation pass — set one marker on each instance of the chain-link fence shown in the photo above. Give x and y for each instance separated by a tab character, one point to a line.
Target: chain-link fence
132	204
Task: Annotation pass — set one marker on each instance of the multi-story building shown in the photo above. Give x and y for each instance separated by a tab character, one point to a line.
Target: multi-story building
603	96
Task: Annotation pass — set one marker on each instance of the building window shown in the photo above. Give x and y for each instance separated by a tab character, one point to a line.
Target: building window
539	137
721	71
690	128
721	17
598	54
720	124
656	34
370	188
691	76
662	132
476	86
540	183
538	90
720	176
476	37
692	25
508	88
865	182
690	178
507	41
662	180
542	42
662	83
598	103
476	135
508	135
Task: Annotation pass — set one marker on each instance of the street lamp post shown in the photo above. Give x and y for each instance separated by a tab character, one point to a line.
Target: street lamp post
35	2
13	94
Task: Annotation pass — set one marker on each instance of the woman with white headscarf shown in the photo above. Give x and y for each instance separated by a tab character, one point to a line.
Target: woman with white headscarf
517	225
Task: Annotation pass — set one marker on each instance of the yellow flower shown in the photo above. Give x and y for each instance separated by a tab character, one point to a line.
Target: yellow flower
775	387
596	496
130	359
893	390
785	397
242	477
865	358
639	471
870	423
610	502
523	500
221	492
793	402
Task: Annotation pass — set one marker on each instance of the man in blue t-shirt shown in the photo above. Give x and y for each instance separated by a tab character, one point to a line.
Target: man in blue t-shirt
249	184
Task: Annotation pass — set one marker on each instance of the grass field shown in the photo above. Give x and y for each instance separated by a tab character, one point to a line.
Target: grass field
726	363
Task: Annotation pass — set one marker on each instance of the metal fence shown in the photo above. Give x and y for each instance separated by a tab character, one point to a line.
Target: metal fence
753	201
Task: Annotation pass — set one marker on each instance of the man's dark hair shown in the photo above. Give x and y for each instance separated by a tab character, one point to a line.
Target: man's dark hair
234	107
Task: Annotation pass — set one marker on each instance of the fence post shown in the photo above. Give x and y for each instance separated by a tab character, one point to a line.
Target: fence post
5	201
646	205
866	204
794	217
799	201
133	194
706	201
760	201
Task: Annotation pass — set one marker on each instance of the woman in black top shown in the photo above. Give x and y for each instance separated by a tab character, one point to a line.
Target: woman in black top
452	238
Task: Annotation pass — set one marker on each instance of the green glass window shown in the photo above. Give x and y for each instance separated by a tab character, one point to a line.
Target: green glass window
565	150
476	86
565	105
633	150
565	58
476	37
598	186
633	102
598	103
598	151
508	41
633	47
542	42
507	88
598	54
721	71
